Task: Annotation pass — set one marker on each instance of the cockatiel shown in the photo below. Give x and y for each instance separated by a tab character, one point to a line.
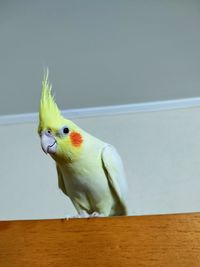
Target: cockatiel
90	172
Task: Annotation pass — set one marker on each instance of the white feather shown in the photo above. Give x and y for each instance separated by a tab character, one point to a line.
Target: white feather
116	175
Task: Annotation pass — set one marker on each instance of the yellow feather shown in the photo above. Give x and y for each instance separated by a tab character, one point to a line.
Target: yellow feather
49	113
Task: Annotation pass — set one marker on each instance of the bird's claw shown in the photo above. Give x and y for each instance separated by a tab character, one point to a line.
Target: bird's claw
96	214
83	214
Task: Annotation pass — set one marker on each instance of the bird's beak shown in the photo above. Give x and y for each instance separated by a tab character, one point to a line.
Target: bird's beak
48	143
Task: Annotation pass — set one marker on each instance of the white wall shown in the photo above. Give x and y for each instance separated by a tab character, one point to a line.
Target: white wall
161	153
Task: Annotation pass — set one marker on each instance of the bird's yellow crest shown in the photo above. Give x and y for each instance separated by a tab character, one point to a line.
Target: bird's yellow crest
49	112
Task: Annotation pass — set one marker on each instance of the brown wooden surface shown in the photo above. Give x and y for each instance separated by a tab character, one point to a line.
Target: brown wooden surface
165	240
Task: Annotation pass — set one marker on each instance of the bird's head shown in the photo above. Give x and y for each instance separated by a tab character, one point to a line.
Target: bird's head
61	138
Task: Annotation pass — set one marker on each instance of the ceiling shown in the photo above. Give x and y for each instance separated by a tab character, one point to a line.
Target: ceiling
98	52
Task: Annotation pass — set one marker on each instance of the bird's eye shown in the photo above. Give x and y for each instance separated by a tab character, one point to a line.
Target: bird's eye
65	130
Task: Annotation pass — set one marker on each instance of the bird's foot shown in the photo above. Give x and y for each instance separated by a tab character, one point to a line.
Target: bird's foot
81	214
69	217
95	214
84	214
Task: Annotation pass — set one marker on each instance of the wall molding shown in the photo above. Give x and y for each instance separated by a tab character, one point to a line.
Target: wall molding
108	110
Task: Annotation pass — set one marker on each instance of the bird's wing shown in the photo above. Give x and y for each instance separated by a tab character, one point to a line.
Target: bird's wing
61	183
114	170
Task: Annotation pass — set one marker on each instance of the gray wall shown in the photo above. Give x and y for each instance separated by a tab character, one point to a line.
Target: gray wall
99	52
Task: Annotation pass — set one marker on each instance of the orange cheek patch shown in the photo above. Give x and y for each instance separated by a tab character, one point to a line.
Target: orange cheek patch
76	139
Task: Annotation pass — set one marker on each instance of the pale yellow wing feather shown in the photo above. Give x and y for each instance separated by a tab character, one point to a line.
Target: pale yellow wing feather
61	183
115	174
